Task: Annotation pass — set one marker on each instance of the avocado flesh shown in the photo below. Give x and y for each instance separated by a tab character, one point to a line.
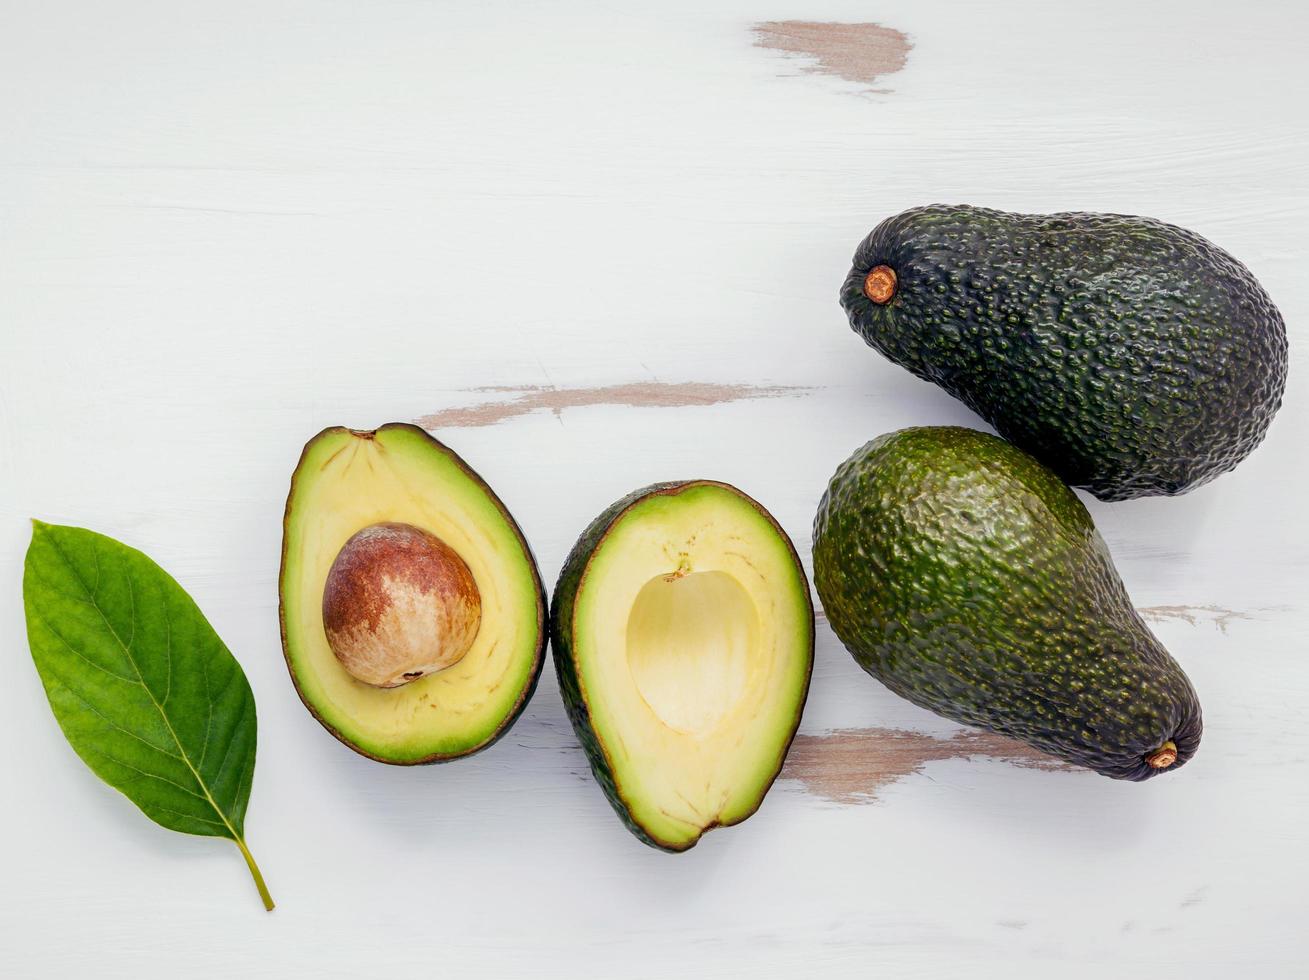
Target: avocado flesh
348	480
1131	356
683	638
970	580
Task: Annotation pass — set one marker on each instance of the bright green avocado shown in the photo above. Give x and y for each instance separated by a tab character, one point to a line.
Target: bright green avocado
413	615
1131	356
683	634
968	578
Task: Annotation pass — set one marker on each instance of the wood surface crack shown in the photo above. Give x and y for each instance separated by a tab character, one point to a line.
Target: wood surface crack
526	399
850	765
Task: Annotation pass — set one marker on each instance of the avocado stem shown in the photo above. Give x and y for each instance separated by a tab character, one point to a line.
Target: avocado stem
1162	757
254	872
683	568
879	284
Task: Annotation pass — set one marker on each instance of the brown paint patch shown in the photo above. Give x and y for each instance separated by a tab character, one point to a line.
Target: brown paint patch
856	52
642	394
1193	615
850	765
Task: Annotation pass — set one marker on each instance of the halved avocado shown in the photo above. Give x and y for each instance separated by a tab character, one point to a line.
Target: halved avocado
383	532
683	634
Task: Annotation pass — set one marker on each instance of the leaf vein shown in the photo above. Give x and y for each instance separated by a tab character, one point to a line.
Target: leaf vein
81	656
168	652
190	816
131	640
114	725
233	740
149	775
209	713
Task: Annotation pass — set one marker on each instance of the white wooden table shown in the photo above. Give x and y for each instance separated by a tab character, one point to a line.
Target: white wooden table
593	248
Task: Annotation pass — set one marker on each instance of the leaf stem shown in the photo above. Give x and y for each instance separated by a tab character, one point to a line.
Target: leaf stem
254	873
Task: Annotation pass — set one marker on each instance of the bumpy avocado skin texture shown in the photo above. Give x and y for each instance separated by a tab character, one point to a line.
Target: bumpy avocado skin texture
1131	356
969	579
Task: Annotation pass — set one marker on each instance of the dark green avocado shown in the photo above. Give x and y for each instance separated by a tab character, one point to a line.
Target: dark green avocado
968	578
1131	356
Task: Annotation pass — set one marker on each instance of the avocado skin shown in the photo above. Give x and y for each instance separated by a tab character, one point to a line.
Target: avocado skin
561	648
969	579
562	645
1131	356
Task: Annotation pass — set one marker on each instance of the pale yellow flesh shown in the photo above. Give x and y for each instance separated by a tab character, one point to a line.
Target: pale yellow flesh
693	641
347	482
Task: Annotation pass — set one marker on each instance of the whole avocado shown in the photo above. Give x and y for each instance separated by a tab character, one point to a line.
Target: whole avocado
1131	356
969	579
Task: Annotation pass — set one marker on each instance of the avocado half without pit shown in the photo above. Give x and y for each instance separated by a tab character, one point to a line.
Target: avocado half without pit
683	634
413	615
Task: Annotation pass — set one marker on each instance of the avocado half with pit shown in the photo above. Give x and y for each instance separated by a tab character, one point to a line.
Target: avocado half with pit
413	615
683	634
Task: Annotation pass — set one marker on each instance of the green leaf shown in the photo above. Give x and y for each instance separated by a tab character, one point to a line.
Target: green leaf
145	691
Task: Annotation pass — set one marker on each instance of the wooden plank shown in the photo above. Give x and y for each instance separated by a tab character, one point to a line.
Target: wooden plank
594	247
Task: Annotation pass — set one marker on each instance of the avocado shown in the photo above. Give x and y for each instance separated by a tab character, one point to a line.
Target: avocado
413	614
1130	356
683	634
966	577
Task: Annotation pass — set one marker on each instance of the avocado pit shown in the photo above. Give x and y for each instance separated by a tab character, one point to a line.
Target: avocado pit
399	604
